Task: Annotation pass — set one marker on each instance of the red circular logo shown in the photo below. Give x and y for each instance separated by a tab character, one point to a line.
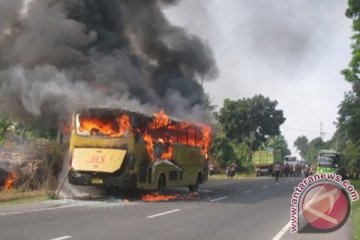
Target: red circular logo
326	207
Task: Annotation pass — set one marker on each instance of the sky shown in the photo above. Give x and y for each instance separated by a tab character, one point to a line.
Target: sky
290	51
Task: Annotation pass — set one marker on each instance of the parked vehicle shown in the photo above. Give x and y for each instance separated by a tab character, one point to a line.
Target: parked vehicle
328	161
265	160
290	163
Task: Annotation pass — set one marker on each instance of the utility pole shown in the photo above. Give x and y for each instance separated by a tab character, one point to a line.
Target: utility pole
322	133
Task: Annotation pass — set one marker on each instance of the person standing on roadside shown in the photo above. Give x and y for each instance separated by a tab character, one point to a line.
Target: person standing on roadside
277	168
211	169
233	167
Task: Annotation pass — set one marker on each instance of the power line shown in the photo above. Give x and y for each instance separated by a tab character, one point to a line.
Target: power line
302	130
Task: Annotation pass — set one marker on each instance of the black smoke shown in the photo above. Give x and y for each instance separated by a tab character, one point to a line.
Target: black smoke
57	56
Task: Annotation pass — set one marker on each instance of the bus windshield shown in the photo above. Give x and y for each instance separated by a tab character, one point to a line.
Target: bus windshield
106	125
328	160
290	159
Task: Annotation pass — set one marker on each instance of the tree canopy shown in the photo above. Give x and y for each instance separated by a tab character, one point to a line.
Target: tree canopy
302	145
349	112
223	150
278	142
349	116
251	119
5	123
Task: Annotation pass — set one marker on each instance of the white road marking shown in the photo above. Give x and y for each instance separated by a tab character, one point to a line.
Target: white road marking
61	238
218	199
282	232
35	210
164	213
68	205
247	191
264	187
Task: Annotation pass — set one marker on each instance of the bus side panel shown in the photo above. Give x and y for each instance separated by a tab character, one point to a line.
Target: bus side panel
191	160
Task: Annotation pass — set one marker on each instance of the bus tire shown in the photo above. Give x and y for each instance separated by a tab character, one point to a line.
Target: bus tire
195	187
161	183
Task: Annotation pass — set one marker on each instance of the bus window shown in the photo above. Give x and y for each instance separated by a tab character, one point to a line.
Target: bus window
199	138
191	136
182	133
173	133
108	125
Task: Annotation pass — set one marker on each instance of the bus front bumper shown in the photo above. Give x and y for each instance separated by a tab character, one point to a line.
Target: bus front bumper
90	179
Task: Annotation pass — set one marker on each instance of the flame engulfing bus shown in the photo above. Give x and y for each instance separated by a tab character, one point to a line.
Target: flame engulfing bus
119	148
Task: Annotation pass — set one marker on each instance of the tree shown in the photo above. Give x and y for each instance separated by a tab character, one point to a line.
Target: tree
4	126
352	153
242	154
349	112
349	116
302	145
339	140
251	120
32	130
223	151
207	103
278	142
314	147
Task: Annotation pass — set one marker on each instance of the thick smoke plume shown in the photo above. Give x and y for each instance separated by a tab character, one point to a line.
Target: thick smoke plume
57	56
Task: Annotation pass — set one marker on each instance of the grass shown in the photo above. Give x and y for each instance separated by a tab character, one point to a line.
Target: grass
355	213
237	176
17	196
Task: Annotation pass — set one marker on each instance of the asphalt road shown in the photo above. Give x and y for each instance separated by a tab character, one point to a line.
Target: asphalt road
223	209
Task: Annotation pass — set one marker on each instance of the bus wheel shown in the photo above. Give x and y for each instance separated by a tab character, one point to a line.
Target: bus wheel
161	183
195	187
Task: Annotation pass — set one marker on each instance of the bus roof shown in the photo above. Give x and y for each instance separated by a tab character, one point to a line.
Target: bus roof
117	111
328	151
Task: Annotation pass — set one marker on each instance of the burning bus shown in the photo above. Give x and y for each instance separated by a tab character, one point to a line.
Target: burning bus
124	149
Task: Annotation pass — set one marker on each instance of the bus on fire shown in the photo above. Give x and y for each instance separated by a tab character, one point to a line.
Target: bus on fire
124	149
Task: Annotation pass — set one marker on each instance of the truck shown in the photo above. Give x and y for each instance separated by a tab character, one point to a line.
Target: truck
264	161
291	161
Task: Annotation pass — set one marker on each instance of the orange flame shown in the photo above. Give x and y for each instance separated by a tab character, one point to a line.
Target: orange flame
123	124
168	153
206	140
149	145
161	125
159	134
9	181
160	120
156	197
104	126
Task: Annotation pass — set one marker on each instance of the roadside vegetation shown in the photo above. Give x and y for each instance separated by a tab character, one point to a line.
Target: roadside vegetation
243	126
15	196
355	214
31	160
223	176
